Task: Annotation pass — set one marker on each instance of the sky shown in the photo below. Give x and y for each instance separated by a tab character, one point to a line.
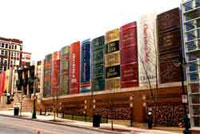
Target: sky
46	26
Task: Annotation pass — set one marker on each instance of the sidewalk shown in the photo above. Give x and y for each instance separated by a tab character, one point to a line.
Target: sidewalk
105	127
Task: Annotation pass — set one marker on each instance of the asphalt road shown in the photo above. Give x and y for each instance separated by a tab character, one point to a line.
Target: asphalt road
19	126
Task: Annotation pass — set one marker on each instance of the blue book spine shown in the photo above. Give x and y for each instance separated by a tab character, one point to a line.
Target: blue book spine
85	66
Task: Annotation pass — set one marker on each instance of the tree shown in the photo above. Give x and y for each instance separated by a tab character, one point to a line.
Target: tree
111	107
55	97
148	57
20	99
55	81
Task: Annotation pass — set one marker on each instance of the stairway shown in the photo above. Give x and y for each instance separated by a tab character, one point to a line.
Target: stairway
24	101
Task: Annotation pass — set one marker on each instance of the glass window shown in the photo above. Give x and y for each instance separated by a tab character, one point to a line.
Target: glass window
191	45
194	77
196	109
2	52
195	98
198	23
190	25
190	35
6	53
196	121
2	44
198	44
195	88
198	33
6	45
193	67
192	57
193	14
197	3
188	6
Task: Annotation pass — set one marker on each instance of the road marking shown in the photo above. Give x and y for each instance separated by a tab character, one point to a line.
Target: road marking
24	125
56	129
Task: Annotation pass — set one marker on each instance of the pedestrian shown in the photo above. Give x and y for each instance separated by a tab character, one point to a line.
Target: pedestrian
8	97
149	118
38	132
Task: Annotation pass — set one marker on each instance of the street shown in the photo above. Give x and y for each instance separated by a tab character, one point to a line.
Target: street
20	126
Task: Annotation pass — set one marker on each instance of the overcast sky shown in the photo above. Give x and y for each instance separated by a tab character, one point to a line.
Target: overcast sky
45	26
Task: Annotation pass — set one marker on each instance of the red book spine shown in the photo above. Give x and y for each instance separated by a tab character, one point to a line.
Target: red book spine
55	73
74	68
1	91
129	75
129	56
3	76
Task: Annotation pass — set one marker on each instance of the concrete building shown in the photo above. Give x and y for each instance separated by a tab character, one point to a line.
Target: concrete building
191	36
26	59
39	67
10	53
12	58
131	104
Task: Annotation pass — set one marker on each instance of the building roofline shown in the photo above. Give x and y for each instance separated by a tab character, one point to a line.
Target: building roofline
185	1
11	40
26	53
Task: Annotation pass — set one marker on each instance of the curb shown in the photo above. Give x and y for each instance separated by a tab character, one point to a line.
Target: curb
54	123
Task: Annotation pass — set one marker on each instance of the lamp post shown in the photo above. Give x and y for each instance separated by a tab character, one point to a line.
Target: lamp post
19	84
62	109
93	112
34	107
33	81
85	110
184	98
94	106
131	110
36	80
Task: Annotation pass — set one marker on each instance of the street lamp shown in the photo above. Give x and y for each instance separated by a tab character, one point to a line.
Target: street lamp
184	96
85	110
62	110
35	80
131	109
20	86
94	106
32	83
